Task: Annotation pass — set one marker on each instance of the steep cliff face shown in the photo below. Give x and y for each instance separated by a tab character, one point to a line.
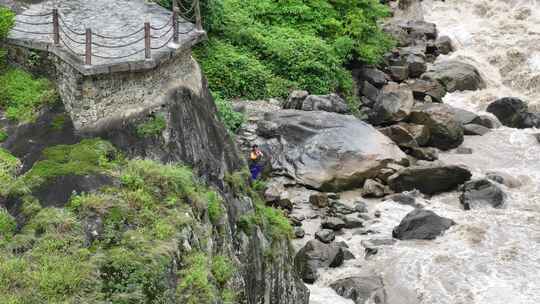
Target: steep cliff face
182	128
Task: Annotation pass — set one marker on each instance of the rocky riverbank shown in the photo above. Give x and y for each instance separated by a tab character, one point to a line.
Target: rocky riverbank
340	172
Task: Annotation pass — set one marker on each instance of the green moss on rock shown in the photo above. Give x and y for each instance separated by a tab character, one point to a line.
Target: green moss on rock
116	245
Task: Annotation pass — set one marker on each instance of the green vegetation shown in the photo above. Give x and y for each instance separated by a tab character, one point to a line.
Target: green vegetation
7	225
144	220
195	287
7	19
3	136
263	48
232	120
22	95
58	122
274	223
87	157
152	127
215	208
9	166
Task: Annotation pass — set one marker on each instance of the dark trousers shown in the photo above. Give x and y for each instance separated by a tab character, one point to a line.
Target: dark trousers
255	170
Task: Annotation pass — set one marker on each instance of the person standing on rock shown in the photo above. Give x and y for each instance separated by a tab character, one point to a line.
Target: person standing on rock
256	163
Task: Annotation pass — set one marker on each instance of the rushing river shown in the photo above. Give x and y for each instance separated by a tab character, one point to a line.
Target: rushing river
493	255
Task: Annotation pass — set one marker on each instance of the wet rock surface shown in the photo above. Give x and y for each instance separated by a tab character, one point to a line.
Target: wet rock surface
327	151
422	224
361	289
315	255
429	180
514	113
481	193
455	76
446	131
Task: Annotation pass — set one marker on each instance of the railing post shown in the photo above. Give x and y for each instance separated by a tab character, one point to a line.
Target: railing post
88	53
175	24
56	29
147	42
198	20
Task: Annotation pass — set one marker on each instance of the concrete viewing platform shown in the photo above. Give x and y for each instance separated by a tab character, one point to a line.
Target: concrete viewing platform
110	60
117	41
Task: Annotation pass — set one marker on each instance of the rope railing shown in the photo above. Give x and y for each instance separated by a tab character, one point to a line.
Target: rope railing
89	44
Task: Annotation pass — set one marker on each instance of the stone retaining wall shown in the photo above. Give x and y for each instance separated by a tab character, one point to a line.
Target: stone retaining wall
94	101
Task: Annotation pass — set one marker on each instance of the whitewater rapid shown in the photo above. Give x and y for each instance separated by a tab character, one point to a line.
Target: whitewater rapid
493	255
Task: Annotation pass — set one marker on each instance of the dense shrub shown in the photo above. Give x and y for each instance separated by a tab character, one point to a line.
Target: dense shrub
262	48
7	18
22	95
232	119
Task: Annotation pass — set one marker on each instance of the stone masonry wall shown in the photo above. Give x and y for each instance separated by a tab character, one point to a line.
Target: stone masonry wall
107	98
96	101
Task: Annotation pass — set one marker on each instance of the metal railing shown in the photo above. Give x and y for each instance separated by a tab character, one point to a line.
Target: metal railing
98	45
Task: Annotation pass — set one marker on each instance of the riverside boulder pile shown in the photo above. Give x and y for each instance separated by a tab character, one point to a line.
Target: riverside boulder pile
386	148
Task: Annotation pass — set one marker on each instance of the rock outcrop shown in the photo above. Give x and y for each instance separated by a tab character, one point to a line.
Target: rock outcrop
421	224
315	255
430	179
326	151
361	289
514	113
480	193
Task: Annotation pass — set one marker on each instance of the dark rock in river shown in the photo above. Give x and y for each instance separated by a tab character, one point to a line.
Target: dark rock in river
446	132
455	76
482	192
514	113
444	45
504	179
429	179
325	235
361	289
421	224
333	223
474	129
315	255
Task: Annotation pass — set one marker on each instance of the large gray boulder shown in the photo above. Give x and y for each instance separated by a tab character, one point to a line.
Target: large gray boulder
482	192
446	131
361	289
327	151
394	105
315	255
421	224
514	113
429	180
300	100
455	76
